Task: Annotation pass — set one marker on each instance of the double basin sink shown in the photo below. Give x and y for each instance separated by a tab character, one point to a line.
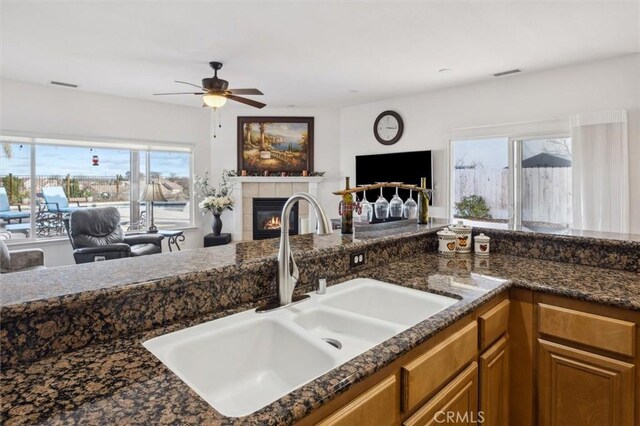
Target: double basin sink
243	362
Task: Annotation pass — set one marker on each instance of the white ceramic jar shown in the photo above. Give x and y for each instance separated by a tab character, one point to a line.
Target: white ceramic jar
446	242
481	245
463	237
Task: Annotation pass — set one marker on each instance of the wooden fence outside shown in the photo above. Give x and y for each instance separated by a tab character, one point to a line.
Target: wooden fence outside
546	192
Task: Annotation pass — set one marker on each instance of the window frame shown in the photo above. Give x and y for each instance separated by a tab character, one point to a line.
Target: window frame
131	145
515	180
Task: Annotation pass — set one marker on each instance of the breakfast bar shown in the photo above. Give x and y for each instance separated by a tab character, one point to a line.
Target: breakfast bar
72	350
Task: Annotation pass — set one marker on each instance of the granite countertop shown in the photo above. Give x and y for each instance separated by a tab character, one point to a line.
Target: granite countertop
121	382
21	288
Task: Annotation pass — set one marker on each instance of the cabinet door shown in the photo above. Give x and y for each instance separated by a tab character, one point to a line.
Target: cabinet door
576	387
494	383
456	404
377	406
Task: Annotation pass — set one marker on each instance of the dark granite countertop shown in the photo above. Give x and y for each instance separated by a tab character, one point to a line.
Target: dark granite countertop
52	285
120	382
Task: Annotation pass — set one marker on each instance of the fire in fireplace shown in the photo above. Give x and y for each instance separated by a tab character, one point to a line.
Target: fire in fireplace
266	218
271	224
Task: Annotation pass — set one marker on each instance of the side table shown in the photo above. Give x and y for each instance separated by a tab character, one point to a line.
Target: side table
173	237
211	240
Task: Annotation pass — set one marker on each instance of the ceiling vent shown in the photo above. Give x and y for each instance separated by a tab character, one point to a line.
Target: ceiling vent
59	83
503	73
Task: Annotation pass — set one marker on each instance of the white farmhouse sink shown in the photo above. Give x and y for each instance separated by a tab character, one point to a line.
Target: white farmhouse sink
355	333
388	302
243	362
235	366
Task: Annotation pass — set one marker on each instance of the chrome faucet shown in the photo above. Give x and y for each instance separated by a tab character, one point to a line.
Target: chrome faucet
287	269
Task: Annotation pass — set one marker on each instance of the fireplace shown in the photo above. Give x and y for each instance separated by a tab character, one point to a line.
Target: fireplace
266	218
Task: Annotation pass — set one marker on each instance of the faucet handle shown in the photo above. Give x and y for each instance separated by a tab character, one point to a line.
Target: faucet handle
322	286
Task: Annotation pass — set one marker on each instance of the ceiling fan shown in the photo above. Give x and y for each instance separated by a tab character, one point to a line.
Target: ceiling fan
215	91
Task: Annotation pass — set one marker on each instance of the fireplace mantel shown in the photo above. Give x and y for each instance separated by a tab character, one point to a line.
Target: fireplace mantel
276	179
245	188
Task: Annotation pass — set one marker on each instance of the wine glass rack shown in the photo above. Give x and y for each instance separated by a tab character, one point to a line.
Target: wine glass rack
383	185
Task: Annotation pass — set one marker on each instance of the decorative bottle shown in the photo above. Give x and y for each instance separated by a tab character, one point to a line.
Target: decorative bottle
347	210
423	202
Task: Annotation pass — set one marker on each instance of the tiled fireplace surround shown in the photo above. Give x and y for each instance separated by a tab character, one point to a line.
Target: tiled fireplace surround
248	188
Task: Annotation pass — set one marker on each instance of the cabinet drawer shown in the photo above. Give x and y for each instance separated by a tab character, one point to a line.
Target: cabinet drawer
600	332
422	376
377	406
493	323
458	401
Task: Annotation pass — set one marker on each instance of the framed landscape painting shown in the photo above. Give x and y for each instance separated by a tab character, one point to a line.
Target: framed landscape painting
275	144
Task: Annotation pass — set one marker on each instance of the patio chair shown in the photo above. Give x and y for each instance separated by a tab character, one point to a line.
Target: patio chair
56	200
6	213
95	234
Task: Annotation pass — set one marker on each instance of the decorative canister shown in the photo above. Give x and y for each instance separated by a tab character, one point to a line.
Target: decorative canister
446	242
481	243
463	237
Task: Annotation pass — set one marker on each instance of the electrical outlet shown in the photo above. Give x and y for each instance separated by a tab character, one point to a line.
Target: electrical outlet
357	258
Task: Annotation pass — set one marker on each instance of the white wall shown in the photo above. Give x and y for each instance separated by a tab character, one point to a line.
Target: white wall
326	148
431	119
41	109
49	110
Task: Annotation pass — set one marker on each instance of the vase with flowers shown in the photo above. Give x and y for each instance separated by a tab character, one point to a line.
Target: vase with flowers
215	200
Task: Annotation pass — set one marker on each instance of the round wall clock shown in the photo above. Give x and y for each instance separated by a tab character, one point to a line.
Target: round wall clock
388	127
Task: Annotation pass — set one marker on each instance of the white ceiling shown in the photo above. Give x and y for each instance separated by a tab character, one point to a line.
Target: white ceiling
305	53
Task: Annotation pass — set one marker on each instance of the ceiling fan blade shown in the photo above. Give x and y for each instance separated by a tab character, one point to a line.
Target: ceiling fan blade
179	93
246	101
245	92
190	84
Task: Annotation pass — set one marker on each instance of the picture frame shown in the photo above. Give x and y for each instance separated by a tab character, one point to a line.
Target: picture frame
273	145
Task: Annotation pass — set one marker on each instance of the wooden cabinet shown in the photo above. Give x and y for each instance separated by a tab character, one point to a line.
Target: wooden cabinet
377	406
537	359
428	372
596	331
456	404
576	387
587	364
494	383
493	324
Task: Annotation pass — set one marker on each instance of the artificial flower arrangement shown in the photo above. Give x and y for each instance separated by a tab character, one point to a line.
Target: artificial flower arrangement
215	200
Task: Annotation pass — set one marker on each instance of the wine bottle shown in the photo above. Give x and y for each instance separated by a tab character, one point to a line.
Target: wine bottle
423	202
347	211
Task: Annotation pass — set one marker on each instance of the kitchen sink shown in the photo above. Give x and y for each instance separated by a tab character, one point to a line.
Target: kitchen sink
355	333
388	302
243	362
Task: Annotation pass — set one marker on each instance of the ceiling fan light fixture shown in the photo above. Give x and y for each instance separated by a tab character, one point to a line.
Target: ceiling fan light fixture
214	101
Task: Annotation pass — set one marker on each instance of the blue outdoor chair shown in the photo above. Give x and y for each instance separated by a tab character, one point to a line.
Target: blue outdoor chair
6	213
56	200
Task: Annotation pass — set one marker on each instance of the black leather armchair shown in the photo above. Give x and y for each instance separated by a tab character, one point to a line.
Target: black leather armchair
96	232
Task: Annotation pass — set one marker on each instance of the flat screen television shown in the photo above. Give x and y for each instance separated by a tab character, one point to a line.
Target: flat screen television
407	167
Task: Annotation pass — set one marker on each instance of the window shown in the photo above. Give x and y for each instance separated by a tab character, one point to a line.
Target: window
15	187
544	186
480	180
45	178
516	182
